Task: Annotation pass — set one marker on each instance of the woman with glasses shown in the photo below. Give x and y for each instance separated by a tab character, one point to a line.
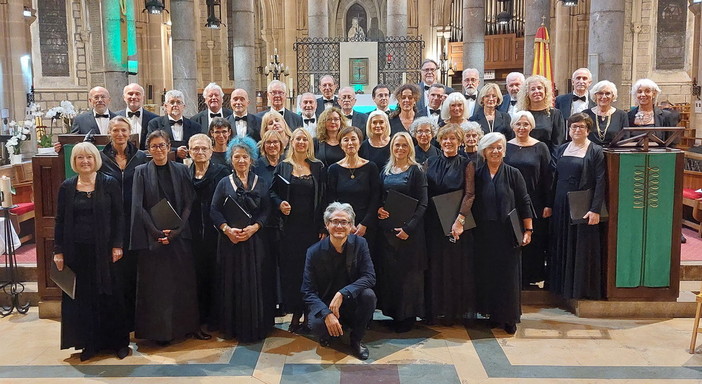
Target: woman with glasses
575	267
423	131
220	132
608	119
205	175
246	287
450	285
326	144
301	206
499	190
489	118
166	303
472	134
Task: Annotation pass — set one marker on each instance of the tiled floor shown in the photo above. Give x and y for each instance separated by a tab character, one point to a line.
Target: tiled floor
551	345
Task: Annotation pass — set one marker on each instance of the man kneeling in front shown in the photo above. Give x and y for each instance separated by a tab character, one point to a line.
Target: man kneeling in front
337	282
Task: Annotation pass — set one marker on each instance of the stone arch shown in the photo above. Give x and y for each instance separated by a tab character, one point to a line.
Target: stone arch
339	26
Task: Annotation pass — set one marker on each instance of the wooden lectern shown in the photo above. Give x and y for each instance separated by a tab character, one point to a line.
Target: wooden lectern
644	178
49	172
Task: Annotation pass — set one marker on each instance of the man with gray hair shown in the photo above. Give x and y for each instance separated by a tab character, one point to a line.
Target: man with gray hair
308	107
429	72
95	120
578	100
471	84
514	82
178	128
277	93
214	99
328	86
347	100
338	280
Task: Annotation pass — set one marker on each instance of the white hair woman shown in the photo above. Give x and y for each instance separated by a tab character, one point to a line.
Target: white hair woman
403	255
455	109
423	130
608	119
472	133
645	114
500	191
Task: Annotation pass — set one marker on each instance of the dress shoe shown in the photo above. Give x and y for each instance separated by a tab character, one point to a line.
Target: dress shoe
163	343
359	350
200	335
123	352
325	341
87	354
510	328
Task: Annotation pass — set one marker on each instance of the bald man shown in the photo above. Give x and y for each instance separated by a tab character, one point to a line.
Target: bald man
133	95
95	120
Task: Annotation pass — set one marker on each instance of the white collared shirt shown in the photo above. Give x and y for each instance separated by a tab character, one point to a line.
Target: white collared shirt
311	127
136	121
512	108
209	119
177	130
241	126
102	122
578	106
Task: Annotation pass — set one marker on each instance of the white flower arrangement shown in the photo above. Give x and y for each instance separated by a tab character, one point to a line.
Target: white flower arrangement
21	132
64	111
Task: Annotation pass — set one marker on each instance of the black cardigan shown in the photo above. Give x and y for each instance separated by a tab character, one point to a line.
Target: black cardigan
592	177
511	193
319	176
109	220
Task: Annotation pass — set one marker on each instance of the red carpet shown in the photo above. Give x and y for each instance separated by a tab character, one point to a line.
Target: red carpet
26	254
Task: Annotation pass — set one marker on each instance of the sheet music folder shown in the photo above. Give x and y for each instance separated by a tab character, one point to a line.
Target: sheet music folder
400	207
516	227
164	216
235	214
281	186
65	279
579	204
447	207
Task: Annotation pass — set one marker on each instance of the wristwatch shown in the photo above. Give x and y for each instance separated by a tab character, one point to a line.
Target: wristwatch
529	230
461	220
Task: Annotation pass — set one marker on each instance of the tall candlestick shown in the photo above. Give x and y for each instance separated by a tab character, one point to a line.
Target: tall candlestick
312	83
404	77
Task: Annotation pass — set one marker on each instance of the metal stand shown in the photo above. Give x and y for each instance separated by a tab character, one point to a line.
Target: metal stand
11	288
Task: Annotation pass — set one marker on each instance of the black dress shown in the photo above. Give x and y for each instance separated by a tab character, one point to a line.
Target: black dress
205	238
403	262
450	284
379	156
501	123
421	155
246	291
327	154
221	158
576	261
533	162
549	128
497	253
88	226
607	127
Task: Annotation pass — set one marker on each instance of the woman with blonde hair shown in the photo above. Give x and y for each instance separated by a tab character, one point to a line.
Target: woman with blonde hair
298	194
403	256
376	147
273	120
326	144
536	96
489	118
455	109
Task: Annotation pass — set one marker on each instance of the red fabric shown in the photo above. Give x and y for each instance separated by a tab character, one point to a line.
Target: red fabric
22	208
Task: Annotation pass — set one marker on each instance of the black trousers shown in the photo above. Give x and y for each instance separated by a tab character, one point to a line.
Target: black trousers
355	314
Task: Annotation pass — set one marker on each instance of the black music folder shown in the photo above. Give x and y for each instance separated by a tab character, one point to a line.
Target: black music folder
281	186
65	279
235	214
164	216
447	207
516	227
579	205
400	207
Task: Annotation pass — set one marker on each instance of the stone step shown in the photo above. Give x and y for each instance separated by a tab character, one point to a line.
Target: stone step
691	271
632	309
24	273
31	294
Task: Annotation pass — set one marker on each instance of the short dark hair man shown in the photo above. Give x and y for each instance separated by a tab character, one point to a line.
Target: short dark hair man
337	282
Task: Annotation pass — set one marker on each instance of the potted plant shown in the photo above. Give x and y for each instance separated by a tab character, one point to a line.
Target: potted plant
20	132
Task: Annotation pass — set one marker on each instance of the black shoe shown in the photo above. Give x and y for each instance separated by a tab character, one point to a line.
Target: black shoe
163	343
200	335
87	354
405	325
359	350
510	328
325	341
123	352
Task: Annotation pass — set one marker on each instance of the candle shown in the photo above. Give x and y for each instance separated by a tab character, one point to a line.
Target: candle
290	86
6	189
450	81
312	83
404	77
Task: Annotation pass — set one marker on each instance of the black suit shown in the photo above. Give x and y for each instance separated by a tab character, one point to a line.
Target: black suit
564	103
85	122
359	120
163	124
145	117
420	103
424	112
319	288
504	107
292	119
320	105
202	118
253	126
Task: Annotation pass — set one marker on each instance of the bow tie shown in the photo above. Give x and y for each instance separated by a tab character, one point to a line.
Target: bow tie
387	112
349	116
512	102
576	98
97	116
471	97
132	114
213	115
426	87
308	121
238	118
328	101
434	111
172	122
282	112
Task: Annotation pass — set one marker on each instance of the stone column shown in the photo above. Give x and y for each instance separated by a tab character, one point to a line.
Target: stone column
114	34
474	35
606	39
534	10
397	18
318	18
183	31
244	50
15	85
560	48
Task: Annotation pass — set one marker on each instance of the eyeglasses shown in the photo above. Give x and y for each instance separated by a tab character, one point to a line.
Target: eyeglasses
219	132
175	102
199	149
494	149
428	70
340	223
578	127
421	132
159	147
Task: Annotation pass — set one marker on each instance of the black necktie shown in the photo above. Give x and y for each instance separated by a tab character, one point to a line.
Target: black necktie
308	121
132	114
104	116
576	98
237	118
473	97
349	116
434	111
512	102
171	122
213	115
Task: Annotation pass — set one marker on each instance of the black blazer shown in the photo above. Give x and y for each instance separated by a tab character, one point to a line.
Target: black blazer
317	281
320	105
564	103
292	119
146	194
420	103
109	222
85	122
253	126
592	177
500	124
504	107
359	120
146	117
163	124
202	118
661	118
319	176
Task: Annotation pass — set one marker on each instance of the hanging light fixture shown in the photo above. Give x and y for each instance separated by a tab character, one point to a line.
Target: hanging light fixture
214	14
154	6
570	3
